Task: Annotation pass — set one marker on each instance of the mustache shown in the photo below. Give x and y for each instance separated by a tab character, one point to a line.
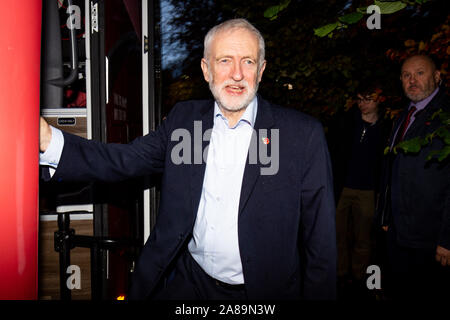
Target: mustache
242	83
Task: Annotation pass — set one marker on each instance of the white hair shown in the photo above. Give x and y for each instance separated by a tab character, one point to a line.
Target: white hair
234	24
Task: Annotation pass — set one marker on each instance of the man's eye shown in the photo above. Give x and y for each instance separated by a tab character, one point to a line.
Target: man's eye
224	60
249	62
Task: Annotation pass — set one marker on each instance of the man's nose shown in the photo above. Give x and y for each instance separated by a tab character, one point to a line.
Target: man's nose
237	74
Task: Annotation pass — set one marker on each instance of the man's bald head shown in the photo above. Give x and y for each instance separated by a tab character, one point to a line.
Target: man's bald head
419	77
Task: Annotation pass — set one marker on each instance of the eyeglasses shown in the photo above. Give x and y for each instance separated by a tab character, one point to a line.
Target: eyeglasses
365	99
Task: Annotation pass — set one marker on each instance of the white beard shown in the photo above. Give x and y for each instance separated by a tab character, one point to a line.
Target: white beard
230	103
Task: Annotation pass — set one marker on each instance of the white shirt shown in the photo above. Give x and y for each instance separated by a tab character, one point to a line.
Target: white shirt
52	155
215	244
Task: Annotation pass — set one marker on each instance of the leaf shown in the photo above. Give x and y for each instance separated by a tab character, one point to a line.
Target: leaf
351	18
362	10
388	7
445	152
323	31
436	114
432	154
412	145
444	134
284	4
440	154
445	117
272	12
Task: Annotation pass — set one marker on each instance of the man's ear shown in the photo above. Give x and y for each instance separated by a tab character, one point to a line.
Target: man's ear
261	70
437	76
204	65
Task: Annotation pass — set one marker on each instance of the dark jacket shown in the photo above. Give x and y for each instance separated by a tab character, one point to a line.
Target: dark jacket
419	209
340	139
286	222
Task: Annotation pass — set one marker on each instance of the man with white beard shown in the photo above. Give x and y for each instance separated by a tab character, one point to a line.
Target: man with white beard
226	229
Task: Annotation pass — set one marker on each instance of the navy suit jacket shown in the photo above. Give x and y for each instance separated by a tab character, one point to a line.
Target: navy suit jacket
419	210
286	221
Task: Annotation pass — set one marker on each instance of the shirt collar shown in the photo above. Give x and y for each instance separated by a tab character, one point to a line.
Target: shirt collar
423	103
248	116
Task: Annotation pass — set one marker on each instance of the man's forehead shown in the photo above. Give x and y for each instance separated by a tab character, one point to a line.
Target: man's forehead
237	35
416	63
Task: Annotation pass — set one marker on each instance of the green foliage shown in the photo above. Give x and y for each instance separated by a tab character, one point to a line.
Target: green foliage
388	7
316	75
411	145
273	11
351	18
325	30
439	154
416	144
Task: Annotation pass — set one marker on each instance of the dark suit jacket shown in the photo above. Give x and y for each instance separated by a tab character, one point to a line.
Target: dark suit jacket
286	222
419	211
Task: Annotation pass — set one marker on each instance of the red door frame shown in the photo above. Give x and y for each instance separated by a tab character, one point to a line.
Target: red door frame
20	47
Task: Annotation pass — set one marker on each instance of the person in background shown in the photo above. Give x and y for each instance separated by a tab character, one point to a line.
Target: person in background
415	206
357	140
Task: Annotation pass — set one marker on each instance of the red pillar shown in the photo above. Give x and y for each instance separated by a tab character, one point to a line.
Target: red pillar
20	47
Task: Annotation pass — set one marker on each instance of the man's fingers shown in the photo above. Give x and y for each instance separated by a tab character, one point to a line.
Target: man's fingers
443	256
442	260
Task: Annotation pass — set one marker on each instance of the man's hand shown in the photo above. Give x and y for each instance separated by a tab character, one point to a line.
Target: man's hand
443	256
45	135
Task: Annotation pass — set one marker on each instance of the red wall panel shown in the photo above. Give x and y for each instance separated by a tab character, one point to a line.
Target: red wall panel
20	42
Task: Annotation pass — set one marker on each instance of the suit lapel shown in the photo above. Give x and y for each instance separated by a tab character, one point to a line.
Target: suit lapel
420	117
423	116
198	169
264	120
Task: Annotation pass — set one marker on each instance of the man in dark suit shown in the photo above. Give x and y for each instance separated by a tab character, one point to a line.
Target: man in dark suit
415	209
234	222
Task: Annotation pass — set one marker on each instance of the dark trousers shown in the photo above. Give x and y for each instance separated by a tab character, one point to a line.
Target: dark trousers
190	282
354	221
414	274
